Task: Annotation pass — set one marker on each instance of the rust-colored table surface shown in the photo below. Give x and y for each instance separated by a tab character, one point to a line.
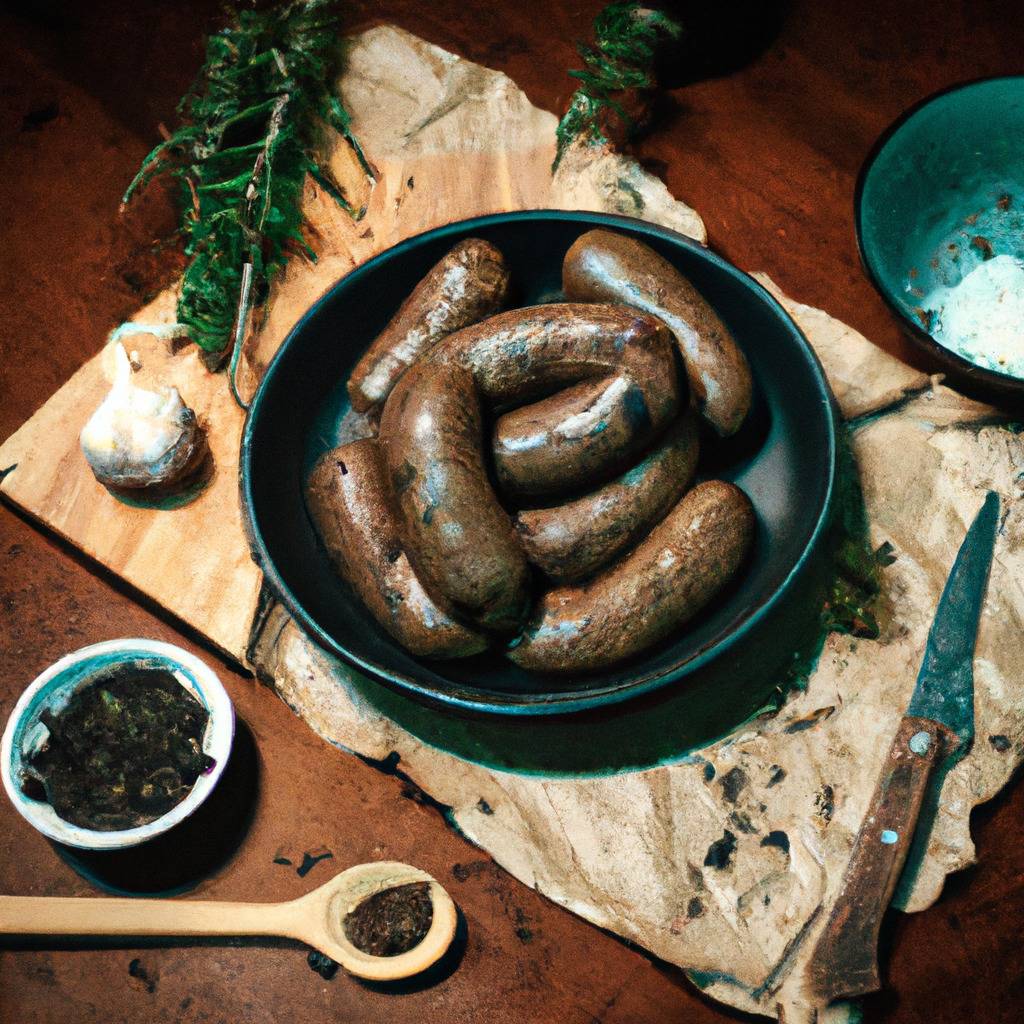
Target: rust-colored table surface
768	155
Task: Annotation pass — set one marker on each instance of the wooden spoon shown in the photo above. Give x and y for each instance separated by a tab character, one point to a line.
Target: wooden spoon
315	918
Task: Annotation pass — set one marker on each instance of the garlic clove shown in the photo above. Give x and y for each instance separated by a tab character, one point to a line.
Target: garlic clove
139	438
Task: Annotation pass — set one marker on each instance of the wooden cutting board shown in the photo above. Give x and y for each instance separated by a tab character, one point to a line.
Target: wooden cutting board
440	155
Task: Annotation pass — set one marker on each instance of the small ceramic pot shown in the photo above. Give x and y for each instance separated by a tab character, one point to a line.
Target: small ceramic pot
54	688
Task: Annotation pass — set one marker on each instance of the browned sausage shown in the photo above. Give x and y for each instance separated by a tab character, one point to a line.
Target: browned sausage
458	537
350	504
666	580
572	541
621	390
469	283
602	266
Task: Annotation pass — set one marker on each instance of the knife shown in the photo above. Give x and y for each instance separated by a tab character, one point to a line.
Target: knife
938	723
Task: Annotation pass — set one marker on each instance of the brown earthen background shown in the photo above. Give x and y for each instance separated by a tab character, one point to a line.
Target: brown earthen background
768	156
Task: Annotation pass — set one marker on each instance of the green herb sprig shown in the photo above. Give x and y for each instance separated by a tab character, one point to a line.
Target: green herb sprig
251	129
850	607
627	36
853	599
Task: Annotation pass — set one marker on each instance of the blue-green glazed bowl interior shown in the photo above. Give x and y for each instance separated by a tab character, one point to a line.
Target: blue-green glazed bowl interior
942	192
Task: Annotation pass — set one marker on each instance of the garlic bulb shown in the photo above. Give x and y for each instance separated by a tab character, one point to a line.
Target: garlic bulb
139	438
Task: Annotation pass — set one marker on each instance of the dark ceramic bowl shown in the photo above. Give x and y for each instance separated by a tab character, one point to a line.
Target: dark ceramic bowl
784	458
931	198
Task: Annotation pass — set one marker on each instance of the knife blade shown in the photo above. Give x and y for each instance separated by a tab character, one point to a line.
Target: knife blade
938	722
945	684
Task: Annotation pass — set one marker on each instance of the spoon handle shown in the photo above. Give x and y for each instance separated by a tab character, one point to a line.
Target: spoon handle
58	915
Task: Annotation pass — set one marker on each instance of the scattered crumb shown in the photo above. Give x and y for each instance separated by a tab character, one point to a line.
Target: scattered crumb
983	245
720	851
808	721
778	839
310	861
137	971
462	872
742	822
323	965
824	801
732	783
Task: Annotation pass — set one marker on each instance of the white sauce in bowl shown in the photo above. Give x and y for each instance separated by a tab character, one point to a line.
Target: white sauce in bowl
982	317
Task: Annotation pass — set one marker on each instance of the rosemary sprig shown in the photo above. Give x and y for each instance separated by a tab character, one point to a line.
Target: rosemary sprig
251	127
627	36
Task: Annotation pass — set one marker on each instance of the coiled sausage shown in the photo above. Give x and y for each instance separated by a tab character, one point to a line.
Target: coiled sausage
571	541
350	504
466	285
621	390
602	266
460	540
640	600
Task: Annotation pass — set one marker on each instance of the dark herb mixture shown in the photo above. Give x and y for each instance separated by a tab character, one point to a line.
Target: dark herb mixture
125	750
392	921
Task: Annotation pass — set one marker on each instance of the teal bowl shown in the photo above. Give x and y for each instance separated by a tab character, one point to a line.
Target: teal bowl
941	192
694	686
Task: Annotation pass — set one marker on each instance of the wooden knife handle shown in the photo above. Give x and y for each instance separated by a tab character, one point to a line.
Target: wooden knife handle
845	961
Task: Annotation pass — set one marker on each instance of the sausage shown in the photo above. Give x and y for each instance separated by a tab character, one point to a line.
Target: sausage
468	284
350	504
666	580
572	541
602	266
459	539
621	390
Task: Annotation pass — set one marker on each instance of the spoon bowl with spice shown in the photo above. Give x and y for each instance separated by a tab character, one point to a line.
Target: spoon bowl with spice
382	921
116	743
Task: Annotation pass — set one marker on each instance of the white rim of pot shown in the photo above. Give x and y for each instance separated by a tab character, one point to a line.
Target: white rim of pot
199	679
